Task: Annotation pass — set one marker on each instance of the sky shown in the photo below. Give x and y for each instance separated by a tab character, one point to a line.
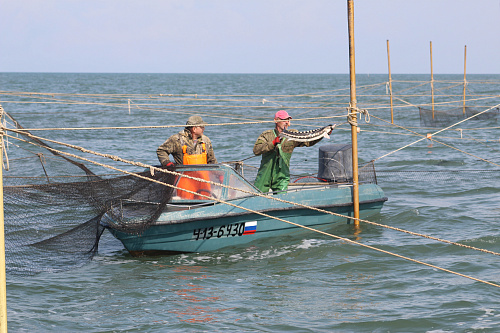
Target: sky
248	36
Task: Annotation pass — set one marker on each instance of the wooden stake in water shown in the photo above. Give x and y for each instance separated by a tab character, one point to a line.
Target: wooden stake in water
465	80
432	85
3	283
390	80
354	127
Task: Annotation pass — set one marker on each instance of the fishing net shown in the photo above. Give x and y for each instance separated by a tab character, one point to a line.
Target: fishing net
54	205
335	165
441	176
444	118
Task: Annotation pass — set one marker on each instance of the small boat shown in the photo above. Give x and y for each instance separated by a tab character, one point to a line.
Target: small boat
199	223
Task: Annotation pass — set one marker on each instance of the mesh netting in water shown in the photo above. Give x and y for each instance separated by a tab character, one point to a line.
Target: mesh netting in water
444	176
444	118
58	225
53	207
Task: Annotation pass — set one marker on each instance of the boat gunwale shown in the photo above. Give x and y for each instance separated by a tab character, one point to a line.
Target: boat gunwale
211	217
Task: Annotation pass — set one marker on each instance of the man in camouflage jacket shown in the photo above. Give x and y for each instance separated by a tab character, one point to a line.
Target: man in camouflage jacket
192	136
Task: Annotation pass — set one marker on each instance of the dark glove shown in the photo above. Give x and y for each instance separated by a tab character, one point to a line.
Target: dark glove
276	140
169	165
331	128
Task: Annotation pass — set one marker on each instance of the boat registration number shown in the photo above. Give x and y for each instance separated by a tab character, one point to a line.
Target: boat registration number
230	230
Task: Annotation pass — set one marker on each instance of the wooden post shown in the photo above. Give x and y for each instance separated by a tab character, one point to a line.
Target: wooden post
465	80
390	81
3	279
432	86
353	115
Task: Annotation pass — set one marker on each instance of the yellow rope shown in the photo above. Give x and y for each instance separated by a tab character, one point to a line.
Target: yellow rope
252	211
167	126
116	158
433	134
284	96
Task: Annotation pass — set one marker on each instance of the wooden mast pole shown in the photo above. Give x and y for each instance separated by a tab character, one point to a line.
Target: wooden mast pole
432	85
390	81
352	114
3	279
465	80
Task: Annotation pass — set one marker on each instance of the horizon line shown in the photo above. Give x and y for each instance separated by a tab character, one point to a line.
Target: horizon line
242	73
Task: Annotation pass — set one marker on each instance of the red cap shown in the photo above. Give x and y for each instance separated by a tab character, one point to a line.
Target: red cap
282	114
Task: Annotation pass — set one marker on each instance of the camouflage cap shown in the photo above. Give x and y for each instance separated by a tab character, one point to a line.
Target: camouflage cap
195	121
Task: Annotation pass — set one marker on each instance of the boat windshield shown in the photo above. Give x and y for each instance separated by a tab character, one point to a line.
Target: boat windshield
191	189
237	182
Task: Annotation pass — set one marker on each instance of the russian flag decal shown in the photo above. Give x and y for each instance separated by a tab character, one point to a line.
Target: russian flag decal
250	228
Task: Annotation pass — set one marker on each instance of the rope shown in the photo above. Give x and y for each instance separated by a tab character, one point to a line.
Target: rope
5	162
352	118
147	166
166	126
464	152
430	135
460	130
295	203
252	211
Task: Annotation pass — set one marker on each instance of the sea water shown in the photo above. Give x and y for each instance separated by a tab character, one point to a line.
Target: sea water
307	284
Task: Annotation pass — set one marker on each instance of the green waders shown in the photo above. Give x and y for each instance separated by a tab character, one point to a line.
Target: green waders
274	171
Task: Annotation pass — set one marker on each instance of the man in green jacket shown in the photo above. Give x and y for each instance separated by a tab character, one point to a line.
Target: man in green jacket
274	171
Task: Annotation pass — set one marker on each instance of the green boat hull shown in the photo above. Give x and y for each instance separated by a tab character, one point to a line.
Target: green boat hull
218	226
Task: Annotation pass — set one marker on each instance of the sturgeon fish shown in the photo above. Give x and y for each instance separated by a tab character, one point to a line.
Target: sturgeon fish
311	135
